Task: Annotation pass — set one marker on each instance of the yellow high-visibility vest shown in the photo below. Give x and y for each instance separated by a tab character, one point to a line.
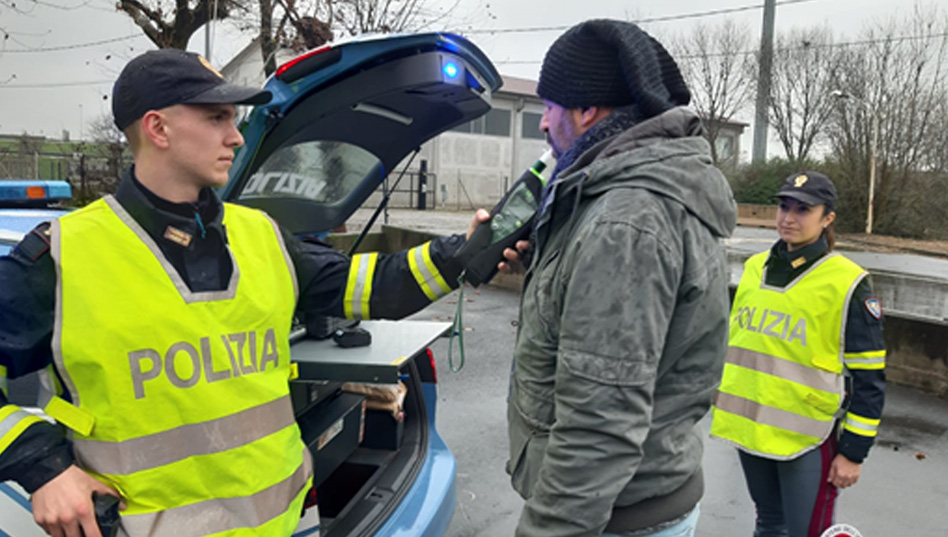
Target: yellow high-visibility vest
782	387
180	400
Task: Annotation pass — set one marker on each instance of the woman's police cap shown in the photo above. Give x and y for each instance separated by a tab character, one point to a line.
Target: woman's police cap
812	188
161	78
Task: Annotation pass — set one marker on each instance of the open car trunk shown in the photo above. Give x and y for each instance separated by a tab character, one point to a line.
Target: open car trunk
365	459
341	120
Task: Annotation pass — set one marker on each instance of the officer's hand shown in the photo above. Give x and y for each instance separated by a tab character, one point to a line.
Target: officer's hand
63	506
843	472
513	263
480	216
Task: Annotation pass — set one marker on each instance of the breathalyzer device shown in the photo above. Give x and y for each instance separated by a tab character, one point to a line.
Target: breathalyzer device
511	221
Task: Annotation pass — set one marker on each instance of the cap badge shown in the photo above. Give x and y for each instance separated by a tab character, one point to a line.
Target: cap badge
798	182
210	67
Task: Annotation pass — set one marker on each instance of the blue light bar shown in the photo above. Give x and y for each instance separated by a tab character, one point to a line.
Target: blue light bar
34	190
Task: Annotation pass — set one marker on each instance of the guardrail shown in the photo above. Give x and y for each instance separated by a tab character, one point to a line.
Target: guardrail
916	307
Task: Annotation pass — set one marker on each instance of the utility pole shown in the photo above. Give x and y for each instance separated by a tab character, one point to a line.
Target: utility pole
207	33
763	82
873	115
873	149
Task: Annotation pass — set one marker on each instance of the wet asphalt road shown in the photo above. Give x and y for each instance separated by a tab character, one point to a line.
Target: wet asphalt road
903	490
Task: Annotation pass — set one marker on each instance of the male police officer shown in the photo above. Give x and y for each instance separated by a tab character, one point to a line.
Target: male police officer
160	318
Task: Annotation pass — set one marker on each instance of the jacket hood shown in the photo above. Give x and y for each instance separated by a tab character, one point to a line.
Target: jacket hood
666	155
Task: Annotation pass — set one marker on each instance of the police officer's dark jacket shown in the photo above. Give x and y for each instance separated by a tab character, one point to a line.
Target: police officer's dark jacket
196	247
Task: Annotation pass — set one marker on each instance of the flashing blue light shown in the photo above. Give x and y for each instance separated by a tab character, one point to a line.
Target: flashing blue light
451	70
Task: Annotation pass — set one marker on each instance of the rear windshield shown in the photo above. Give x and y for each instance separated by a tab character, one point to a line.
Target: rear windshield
324	172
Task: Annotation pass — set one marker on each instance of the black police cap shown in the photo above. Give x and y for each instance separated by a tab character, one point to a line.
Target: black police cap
812	188
161	78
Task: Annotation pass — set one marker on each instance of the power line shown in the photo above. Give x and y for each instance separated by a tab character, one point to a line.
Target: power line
665	18
70	47
55	84
844	44
60	6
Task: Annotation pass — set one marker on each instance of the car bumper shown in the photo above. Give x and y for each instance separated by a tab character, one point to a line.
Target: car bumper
426	509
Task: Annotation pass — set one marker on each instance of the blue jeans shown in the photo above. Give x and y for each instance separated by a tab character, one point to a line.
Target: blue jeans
685	528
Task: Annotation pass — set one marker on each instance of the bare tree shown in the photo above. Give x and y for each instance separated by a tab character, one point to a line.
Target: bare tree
306	24
718	69
805	73
897	77
386	16
113	147
171	23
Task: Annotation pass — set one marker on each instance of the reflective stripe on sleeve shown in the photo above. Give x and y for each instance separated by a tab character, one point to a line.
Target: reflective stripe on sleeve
426	273
13	422
860	425
865	360
359	286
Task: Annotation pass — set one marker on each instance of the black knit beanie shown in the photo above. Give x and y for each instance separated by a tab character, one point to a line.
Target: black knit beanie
611	63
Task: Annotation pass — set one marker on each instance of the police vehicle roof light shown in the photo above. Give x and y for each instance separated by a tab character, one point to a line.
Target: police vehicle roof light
26	190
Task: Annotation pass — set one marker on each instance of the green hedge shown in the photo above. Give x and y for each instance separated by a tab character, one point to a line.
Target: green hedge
759	183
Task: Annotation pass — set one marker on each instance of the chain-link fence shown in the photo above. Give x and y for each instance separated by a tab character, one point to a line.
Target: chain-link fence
90	175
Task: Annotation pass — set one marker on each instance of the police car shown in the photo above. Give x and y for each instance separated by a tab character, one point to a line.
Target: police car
341	120
24	204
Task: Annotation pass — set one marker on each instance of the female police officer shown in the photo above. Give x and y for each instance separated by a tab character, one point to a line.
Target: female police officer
803	387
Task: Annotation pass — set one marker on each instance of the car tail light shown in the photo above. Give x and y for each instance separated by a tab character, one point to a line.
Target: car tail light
35	192
434	371
288	65
310	499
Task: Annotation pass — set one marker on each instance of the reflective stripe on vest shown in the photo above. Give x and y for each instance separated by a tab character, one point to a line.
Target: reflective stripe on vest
261	510
426	274
782	386
186	392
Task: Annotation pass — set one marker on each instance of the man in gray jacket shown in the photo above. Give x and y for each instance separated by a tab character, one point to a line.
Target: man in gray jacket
624	314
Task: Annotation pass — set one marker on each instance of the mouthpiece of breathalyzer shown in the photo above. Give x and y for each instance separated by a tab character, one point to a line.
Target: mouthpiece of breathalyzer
511	221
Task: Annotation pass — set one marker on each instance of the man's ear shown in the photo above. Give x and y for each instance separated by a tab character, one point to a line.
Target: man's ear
154	126
592	115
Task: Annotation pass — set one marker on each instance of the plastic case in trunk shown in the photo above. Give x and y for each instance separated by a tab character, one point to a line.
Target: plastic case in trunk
332	430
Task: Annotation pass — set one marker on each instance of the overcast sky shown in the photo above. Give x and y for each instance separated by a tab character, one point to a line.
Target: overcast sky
52	79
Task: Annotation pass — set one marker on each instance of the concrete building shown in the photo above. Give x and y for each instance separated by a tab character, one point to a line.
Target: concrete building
473	164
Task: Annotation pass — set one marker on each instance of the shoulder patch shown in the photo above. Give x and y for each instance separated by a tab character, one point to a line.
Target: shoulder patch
34	244
874	305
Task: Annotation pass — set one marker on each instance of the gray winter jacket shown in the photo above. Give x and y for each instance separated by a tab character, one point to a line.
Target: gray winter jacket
623	333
